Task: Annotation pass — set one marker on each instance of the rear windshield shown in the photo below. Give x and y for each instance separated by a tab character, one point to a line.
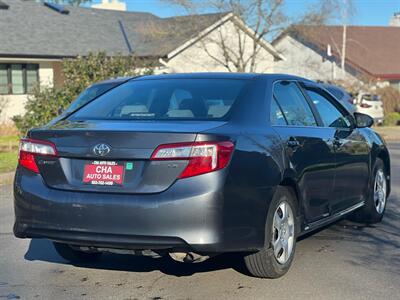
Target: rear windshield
164	99
89	94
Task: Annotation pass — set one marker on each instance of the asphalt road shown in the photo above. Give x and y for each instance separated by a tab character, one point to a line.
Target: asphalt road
344	261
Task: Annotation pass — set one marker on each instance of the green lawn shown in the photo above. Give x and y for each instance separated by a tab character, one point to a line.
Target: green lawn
8	153
5	140
8	161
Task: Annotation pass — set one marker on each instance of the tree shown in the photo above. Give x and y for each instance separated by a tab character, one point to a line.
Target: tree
254	21
70	2
79	73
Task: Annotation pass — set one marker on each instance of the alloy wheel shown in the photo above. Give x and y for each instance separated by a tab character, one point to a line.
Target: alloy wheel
283	232
380	191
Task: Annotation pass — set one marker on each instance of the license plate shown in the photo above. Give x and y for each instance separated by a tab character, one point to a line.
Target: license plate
103	173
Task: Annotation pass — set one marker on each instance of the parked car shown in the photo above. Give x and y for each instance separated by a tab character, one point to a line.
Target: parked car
342	95
371	105
88	95
193	165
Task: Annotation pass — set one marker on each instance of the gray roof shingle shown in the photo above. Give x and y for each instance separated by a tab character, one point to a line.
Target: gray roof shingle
30	29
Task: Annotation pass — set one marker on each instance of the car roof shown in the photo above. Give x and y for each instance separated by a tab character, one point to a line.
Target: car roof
329	85
112	80
220	75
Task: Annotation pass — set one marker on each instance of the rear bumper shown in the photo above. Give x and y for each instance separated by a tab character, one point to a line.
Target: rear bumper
187	216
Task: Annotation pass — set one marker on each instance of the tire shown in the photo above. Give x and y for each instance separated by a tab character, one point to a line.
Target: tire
372	213
265	263
72	255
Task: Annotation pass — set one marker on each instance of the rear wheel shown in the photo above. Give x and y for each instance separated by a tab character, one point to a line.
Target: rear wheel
375	205
72	255
275	258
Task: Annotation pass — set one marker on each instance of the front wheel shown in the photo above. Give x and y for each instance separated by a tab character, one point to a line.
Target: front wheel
275	259
375	205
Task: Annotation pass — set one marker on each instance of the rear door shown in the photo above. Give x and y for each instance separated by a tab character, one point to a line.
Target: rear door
351	148
308	148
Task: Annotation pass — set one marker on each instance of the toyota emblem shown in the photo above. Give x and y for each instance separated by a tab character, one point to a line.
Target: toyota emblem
101	149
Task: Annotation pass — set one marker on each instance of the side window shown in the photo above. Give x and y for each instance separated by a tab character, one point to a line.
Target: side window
294	106
330	115
276	116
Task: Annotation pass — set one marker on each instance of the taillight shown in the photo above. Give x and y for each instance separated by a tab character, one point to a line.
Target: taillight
29	149
365	105
203	157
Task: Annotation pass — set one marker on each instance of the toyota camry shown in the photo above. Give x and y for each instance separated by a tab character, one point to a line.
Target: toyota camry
194	165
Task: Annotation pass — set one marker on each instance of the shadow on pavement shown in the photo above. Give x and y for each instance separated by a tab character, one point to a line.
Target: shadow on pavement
377	246
43	250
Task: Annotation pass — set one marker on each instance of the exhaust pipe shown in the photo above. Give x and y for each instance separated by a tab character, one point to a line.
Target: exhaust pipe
188	257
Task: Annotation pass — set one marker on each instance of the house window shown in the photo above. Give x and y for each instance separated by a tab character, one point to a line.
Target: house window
18	79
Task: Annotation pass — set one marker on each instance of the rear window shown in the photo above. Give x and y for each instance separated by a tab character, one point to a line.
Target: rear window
164	99
89	94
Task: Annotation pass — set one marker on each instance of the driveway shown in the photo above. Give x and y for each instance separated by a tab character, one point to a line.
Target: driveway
343	261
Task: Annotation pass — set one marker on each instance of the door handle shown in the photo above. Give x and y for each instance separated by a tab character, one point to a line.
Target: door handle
293	143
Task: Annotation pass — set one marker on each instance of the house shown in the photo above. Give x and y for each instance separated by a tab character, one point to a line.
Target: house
372	53
35	37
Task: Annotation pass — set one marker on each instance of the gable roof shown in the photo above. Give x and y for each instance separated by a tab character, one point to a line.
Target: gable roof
30	29
371	50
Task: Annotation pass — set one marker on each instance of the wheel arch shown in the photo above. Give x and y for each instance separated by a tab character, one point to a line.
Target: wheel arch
291	183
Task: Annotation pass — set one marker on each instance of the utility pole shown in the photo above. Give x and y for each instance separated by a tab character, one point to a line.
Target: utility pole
344	36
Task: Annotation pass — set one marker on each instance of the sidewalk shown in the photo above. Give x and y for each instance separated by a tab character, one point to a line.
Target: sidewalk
6	178
390	134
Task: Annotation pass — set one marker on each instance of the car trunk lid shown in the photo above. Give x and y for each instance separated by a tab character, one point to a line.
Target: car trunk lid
130	147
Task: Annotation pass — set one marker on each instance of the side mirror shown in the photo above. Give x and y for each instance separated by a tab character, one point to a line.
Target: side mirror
60	110
363	120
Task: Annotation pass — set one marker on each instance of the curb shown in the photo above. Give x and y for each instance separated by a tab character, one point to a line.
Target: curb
6	178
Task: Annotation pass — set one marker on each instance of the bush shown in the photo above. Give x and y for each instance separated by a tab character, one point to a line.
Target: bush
79	73
392	119
42	106
390	98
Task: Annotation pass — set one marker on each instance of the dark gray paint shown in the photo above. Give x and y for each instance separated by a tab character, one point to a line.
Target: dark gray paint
216	212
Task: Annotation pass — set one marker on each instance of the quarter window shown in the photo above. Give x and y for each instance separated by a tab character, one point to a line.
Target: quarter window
294	106
18	78
277	117
330	115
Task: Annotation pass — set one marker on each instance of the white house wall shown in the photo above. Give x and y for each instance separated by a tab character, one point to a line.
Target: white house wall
305	62
196	59
15	104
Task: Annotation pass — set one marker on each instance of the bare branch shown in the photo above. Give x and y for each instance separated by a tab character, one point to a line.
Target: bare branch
254	21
